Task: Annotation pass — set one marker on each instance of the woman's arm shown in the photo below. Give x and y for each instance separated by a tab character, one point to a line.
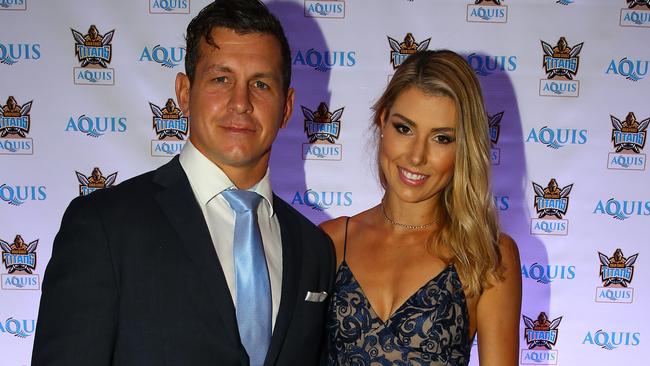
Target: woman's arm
498	312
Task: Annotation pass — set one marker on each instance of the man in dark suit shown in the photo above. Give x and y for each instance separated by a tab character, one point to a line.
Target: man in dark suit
148	273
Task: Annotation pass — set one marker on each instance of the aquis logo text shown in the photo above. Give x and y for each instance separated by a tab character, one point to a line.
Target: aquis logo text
13	5
557	138
169	6
19	328
96	126
635	14
612	339
325	9
16	195
546	274
485	65
628	68
324	60
166	57
322	200
622	209
12	53
487	11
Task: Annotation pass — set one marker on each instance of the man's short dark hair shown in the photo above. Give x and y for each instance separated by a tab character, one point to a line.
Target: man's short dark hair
241	16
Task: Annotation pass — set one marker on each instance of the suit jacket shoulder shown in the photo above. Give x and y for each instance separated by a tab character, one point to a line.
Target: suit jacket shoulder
137	187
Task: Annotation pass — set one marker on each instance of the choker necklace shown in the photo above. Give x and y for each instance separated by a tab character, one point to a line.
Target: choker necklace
406	226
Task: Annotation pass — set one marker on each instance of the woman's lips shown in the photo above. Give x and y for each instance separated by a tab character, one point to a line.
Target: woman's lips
411	178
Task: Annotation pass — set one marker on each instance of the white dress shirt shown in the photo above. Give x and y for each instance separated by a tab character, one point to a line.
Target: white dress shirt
208	181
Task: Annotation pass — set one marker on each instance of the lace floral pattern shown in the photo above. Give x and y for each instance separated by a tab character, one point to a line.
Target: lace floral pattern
430	328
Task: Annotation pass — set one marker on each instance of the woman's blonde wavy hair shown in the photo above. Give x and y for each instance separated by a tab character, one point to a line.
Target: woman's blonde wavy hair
471	228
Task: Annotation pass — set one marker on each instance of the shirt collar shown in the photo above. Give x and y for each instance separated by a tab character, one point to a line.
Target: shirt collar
208	180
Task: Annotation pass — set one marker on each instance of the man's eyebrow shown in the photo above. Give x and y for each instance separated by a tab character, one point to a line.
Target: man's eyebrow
219	68
265	75
258	75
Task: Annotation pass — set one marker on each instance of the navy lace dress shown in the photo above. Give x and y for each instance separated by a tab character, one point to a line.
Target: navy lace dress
430	328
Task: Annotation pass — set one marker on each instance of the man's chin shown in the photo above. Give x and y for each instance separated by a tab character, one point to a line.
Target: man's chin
242	160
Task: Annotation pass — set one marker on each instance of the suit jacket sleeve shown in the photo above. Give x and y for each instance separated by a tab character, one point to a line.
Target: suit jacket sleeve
78	311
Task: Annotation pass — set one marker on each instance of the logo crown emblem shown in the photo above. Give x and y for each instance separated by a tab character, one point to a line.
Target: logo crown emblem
19	256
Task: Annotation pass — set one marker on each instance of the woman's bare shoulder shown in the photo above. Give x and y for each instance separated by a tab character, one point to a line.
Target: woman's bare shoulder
335	229
508	250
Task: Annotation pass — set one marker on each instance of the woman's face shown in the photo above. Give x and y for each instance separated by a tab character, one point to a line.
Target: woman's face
418	149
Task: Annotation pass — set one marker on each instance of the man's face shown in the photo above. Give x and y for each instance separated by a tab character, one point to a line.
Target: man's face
236	103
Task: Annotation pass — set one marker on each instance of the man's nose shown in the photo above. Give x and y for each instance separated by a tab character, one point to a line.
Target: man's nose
240	100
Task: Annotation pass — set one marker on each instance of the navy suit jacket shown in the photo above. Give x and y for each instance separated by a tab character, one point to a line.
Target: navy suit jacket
134	280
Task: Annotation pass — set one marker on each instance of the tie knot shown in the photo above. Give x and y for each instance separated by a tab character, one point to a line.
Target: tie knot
241	200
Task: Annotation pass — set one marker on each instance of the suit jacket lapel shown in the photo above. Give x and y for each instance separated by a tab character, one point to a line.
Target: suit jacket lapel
290	276
178	203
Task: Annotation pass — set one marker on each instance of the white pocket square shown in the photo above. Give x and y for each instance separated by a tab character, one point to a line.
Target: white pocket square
316	296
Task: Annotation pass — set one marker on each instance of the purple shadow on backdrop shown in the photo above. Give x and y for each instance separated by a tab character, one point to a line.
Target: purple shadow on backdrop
311	86
510	182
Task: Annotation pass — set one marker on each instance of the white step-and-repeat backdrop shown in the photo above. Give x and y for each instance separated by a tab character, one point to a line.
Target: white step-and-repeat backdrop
87	99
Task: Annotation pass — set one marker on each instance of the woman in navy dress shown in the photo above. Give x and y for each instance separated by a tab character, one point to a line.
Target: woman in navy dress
424	271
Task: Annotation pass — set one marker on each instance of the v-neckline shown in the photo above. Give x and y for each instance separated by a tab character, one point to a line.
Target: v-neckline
397	310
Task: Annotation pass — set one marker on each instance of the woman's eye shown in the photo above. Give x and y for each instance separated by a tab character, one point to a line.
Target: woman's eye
402	128
443	139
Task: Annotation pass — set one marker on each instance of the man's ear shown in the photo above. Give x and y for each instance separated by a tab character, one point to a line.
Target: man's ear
182	87
288	107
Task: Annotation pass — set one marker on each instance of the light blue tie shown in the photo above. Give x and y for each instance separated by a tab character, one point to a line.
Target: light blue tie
252	276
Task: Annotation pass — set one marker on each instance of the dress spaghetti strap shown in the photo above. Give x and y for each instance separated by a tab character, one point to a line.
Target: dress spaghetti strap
345	240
